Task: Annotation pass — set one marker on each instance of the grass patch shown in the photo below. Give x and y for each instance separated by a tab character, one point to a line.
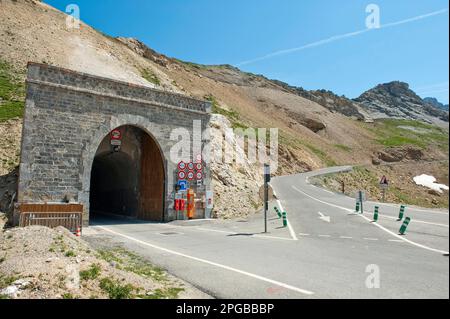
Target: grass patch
70	253
68	296
150	77
92	273
6	281
395	132
115	289
343	147
232	116
128	261
12	93
167	293
297	143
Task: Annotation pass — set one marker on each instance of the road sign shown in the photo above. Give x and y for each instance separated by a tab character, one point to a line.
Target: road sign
270	194
199	176
361	196
181	175
199	158
190	175
116	135
198	166
116	138
183	185
190	166
181	166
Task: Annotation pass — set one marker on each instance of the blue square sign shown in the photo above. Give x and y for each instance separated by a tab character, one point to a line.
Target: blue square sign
183	185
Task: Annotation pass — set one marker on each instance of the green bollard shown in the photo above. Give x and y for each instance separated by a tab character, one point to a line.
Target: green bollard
284	219
375	214
357	207
278	211
404	226
402	213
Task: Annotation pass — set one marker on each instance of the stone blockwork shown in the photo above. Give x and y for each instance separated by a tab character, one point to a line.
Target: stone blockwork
67	116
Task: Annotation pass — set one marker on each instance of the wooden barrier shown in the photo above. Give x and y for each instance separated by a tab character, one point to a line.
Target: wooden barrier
50	215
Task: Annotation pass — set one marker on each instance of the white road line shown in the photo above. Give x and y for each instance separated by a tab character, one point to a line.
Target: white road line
373	239
236	233
375	224
416	221
345	237
274	282
396	240
408	208
327	236
291	230
302	234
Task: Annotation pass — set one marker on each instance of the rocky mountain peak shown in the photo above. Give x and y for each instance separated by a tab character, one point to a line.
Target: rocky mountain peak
396	99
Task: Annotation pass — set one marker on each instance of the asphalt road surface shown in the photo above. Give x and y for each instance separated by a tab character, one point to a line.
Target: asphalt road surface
328	251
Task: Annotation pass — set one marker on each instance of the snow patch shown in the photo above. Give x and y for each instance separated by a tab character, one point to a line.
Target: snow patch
430	182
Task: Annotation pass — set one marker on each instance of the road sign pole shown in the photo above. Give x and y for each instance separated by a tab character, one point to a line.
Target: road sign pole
266	193
361	201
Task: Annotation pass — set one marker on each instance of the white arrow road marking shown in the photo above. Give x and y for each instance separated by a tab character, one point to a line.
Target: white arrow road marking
375	224
324	218
242	272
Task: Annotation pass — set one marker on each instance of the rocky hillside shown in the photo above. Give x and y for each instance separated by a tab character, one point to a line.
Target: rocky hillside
434	102
396	99
316	128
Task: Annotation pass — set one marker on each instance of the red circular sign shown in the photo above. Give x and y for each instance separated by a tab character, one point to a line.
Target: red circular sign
116	135
199	176
191	166
190	175
181	166
181	175
199	166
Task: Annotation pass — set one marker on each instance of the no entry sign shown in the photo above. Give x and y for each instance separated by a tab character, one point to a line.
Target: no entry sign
116	137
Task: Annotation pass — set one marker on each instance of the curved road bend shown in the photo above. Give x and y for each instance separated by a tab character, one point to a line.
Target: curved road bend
337	255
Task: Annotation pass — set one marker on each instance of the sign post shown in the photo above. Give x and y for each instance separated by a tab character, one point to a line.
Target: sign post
361	199
384	185
266	193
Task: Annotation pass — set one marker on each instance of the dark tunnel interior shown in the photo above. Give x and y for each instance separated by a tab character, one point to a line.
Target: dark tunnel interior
114	185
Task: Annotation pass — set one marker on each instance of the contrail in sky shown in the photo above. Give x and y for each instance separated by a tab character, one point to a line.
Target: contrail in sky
341	36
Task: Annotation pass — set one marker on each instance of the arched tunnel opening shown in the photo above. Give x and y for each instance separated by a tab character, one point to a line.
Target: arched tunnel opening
128	181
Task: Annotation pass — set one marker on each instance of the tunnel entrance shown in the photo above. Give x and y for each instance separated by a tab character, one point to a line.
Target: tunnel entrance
128	180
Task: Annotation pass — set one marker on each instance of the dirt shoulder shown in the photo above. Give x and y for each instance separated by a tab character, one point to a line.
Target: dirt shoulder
42	263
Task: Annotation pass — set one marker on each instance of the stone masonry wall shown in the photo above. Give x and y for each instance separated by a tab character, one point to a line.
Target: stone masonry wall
68	114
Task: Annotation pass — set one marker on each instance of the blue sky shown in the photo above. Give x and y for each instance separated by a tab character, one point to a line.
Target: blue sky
236	31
